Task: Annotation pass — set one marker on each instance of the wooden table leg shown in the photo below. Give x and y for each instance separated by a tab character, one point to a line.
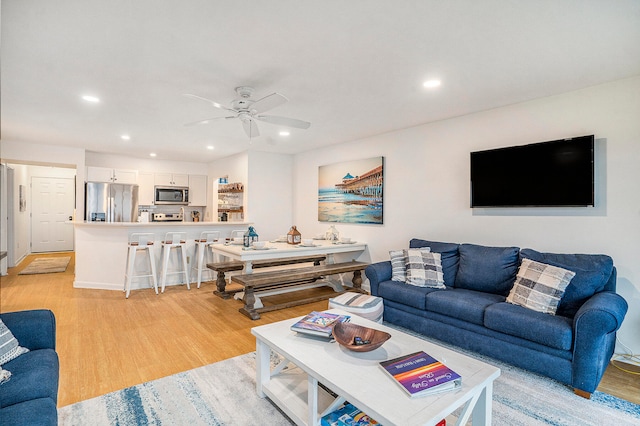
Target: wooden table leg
357	280
221	284
249	301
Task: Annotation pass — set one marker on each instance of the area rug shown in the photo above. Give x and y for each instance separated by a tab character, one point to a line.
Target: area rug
46	265
224	394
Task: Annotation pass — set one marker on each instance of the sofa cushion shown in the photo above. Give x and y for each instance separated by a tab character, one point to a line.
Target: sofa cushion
36	412
592	273
423	268
549	330
9	346
466	305
539	286
487	269
404	294
33	375
448	257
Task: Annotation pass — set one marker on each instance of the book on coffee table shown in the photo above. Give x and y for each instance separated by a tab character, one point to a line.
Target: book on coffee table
420	374
319	323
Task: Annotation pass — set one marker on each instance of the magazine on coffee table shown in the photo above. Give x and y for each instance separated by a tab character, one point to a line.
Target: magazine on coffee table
420	374
319	323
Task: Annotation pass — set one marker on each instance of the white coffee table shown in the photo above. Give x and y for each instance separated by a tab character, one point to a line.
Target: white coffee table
356	377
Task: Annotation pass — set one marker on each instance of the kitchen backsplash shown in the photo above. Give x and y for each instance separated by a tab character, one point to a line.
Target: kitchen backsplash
188	211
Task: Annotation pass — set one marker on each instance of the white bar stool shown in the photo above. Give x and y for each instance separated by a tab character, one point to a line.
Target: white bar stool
203	253
139	241
174	240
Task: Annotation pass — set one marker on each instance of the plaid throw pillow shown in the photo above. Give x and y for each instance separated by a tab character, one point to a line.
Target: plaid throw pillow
9	348
539	286
398	268
424	269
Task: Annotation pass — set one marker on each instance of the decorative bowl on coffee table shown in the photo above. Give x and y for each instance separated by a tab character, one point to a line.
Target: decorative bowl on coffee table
347	335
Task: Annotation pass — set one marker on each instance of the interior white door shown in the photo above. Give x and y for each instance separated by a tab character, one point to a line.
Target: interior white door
52	202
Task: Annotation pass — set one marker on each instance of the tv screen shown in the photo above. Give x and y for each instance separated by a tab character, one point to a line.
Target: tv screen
547	174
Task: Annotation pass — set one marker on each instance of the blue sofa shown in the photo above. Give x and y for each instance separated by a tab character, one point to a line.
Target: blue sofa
574	346
30	396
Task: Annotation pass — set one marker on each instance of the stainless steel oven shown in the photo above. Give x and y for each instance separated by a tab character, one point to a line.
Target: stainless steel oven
171	195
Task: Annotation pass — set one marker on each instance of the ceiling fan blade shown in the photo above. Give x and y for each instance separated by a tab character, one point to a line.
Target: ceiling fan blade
208	120
215	104
250	128
283	121
270	101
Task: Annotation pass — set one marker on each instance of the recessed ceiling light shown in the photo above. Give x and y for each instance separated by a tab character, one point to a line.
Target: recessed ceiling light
429	84
125	137
90	98
210	147
284	133
153	154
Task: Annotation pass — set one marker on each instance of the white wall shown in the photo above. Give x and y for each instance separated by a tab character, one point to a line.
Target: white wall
48	155
427	184
270	194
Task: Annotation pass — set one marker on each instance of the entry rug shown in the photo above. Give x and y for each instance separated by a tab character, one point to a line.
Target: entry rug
224	394
46	265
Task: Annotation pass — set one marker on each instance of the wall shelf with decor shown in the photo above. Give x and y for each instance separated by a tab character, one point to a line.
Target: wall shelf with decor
231	202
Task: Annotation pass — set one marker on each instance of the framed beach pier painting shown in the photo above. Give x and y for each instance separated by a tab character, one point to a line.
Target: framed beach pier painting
351	191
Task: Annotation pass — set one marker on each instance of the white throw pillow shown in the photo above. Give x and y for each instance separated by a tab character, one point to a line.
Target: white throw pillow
398	268
424	269
539	286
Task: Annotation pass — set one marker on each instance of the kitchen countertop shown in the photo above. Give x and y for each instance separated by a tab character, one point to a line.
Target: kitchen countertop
147	224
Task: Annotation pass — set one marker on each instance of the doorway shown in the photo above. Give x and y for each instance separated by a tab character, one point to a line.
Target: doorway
52	204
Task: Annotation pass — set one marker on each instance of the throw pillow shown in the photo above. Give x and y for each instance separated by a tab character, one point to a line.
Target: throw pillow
539	286
448	255
9	348
398	268
424	269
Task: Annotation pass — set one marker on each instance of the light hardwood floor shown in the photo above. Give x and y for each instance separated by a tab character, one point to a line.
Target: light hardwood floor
106	342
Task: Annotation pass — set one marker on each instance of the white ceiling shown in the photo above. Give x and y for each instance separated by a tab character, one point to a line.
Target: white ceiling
352	68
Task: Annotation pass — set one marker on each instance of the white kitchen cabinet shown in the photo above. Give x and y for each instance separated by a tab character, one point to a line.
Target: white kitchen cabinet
171	179
104	174
146	182
197	190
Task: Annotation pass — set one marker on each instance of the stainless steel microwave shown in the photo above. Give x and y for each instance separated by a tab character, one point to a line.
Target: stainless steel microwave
171	195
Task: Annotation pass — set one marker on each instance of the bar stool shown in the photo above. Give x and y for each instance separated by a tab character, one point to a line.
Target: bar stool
202	252
174	240
139	241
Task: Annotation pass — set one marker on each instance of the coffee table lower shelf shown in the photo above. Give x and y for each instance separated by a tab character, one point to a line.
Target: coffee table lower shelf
290	391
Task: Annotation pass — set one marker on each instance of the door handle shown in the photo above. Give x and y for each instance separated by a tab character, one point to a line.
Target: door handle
70	217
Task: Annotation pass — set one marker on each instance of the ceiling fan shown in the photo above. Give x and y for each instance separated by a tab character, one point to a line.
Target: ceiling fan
249	111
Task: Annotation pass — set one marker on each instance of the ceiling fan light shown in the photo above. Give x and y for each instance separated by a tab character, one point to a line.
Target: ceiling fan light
430	84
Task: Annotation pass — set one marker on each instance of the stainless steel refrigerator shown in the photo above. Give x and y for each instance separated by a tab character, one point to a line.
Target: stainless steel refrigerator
111	202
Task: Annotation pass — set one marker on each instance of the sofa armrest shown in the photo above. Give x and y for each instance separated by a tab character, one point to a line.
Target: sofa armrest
376	273
35	329
594	329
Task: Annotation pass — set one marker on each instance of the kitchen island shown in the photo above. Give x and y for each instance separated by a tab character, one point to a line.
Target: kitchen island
101	249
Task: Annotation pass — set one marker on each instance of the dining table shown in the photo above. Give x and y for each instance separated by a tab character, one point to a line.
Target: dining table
283	250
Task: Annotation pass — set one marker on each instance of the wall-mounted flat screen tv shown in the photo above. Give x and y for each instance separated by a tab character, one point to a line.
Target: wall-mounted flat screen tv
557	173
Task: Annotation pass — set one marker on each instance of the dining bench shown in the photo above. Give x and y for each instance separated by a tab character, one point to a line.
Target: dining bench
291	278
235	265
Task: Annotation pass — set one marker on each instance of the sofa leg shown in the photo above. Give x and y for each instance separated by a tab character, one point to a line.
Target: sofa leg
584	394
